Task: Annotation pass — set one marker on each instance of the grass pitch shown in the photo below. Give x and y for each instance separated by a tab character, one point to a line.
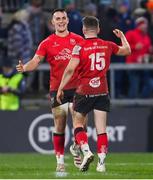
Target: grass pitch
36	166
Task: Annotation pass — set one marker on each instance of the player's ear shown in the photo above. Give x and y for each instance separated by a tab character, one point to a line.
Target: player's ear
98	30
52	22
67	20
84	30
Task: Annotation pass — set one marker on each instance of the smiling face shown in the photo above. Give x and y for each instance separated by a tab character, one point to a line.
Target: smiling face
60	21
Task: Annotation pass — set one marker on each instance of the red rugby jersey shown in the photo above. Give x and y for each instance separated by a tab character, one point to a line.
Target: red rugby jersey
58	52
94	55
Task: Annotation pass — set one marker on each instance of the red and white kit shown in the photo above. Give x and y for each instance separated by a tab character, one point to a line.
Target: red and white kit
58	52
94	56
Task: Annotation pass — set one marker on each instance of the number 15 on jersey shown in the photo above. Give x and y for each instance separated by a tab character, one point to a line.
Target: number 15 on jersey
97	61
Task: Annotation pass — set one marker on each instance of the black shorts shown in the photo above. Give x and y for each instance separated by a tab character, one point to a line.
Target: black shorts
68	97
87	103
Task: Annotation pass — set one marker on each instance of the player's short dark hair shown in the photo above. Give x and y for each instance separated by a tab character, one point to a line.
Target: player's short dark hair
90	22
58	10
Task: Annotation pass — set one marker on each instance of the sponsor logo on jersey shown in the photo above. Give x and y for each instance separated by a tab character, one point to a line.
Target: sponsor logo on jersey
104	47
95	43
65	54
95	82
93	48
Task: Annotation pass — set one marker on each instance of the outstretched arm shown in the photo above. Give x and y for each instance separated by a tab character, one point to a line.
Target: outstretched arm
69	71
31	65
125	49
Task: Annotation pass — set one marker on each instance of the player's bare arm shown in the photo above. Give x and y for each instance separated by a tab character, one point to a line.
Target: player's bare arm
68	73
31	65
125	49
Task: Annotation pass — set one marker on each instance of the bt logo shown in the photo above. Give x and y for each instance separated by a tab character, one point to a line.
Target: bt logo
40	134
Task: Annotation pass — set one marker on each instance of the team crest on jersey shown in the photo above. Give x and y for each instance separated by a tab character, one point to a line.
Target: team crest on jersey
55	44
95	82
72	41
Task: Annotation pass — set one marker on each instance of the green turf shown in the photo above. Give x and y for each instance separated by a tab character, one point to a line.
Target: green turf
36	166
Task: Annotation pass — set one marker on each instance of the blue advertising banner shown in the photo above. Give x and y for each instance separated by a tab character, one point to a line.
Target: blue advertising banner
31	131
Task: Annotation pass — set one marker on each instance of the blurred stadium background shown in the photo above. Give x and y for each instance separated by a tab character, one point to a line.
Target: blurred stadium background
130	122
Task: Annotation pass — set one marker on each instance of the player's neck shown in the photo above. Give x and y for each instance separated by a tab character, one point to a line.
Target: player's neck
62	34
90	35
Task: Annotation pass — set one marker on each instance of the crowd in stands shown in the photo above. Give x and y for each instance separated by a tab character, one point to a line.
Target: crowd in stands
29	25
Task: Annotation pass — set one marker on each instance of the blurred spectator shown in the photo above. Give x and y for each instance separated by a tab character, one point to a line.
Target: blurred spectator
40	30
12	5
75	18
12	86
0	18
142	11
150	10
149	5
139	12
108	22
19	38
148	83
3	30
37	21
3	36
126	22
105	2
0	37
140	43
90	9
143	5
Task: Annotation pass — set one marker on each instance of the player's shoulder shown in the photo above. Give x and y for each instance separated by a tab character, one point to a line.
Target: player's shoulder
48	39
94	41
79	46
103	41
76	36
108	43
82	43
